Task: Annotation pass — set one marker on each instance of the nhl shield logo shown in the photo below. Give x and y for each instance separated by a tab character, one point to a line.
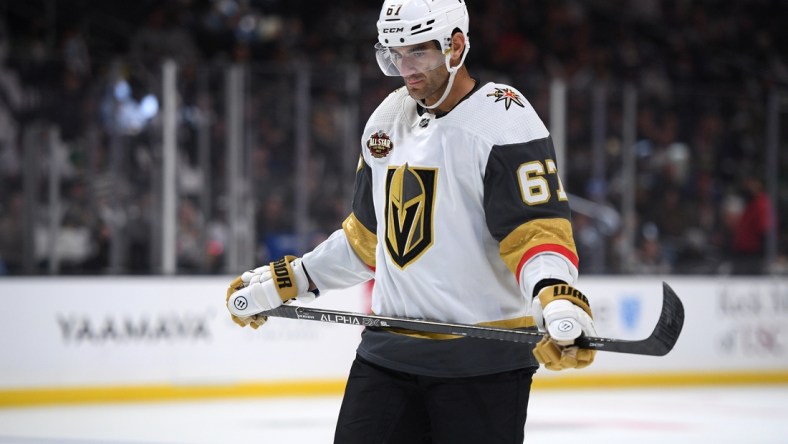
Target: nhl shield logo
379	145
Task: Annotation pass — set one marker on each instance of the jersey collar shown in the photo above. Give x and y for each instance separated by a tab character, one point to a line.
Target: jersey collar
438	114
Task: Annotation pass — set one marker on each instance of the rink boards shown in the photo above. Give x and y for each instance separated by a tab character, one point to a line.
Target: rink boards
121	338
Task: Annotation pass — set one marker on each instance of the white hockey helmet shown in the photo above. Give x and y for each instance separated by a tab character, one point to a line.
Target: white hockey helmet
409	22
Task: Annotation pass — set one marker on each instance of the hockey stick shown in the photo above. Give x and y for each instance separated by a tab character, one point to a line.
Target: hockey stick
659	343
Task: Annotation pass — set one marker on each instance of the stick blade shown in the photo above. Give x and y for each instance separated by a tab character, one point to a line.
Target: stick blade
661	340
671	321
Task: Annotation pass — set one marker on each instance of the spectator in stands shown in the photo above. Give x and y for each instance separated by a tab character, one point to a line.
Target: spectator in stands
681	56
649	257
12	233
11	100
752	229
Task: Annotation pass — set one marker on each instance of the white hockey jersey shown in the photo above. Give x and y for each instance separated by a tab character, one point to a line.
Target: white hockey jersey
456	217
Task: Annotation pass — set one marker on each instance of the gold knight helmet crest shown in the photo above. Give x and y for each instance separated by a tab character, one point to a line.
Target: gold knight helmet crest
379	144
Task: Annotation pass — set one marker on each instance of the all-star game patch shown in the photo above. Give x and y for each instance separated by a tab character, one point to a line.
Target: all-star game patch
379	145
508	96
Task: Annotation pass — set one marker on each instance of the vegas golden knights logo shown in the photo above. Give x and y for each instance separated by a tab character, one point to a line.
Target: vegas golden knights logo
410	200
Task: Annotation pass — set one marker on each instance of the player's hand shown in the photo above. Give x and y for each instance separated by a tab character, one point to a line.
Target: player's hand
563	313
254	320
265	288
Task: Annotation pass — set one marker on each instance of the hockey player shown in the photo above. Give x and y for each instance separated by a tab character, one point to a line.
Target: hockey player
459	215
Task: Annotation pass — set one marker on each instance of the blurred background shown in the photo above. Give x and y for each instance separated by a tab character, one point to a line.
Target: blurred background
208	136
152	150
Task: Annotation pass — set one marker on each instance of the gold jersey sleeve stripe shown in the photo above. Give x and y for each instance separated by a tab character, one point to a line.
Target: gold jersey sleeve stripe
363	241
538	236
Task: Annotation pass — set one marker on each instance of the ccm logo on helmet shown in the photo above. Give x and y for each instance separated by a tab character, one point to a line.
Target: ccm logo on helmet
392	30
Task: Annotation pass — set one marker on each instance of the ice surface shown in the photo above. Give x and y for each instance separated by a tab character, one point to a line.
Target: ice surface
678	415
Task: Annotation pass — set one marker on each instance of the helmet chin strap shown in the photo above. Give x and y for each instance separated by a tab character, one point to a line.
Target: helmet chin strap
449	83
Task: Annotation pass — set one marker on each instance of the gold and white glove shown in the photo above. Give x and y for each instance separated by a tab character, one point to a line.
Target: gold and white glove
563	313
266	288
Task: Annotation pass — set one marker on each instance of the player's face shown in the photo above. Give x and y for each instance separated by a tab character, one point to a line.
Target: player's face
428	86
423	69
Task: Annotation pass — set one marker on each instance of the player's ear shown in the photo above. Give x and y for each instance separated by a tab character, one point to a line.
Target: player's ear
457	47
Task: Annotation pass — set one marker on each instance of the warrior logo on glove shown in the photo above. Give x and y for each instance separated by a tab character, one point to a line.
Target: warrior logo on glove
240	303
566	326
284	278
571	292
282	274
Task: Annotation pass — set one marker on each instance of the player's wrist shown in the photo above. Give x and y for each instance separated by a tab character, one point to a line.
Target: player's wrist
312	288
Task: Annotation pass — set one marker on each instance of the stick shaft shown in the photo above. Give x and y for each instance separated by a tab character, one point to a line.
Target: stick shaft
659	343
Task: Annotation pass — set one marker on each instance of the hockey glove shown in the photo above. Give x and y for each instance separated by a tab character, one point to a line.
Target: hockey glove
265	288
563	313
